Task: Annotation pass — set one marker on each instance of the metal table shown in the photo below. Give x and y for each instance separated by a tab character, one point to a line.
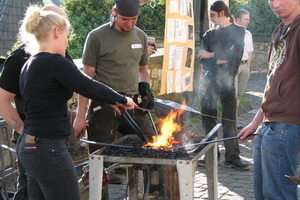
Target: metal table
185	168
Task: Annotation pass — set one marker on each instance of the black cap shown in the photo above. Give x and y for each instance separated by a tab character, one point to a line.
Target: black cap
127	8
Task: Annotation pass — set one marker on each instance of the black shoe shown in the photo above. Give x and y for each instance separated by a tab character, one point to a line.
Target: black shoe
114	179
237	164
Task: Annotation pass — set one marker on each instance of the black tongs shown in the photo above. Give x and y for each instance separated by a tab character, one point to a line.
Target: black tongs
134	126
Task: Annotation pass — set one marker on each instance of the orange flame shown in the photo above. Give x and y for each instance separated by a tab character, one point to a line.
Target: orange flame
167	126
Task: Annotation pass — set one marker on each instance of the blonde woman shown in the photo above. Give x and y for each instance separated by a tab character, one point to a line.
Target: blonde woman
47	82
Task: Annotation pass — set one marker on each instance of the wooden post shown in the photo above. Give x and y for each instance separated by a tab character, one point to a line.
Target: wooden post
171	182
132	183
211	161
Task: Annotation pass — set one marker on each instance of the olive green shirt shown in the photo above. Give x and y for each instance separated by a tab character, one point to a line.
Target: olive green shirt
116	57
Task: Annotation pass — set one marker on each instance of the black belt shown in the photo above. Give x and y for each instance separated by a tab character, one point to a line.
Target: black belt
243	62
133	96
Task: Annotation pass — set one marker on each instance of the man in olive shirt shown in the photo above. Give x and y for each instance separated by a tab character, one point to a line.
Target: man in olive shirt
116	55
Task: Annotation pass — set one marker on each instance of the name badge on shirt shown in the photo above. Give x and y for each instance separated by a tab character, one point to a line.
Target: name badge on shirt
136	46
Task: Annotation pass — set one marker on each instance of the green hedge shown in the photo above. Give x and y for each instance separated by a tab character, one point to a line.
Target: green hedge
85	16
263	20
152	17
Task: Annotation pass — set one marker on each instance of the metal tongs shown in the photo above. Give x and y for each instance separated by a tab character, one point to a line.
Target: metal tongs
216	140
137	130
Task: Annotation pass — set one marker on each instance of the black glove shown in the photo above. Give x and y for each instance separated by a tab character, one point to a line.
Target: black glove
147	95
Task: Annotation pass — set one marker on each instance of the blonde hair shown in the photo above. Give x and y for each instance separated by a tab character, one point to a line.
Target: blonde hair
38	23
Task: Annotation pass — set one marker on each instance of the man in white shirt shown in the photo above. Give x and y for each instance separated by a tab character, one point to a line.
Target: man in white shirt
242	18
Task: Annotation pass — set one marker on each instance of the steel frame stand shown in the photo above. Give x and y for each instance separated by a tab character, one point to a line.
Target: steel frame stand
185	168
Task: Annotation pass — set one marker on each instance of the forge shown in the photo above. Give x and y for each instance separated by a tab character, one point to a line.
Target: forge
173	168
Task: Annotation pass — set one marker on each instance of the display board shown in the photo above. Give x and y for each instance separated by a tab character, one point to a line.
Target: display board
179	47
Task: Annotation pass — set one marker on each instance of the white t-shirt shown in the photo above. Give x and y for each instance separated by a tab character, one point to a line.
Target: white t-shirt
248	45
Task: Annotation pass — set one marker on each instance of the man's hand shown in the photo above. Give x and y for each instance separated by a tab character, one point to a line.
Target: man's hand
79	126
147	95
151	49
245	133
205	54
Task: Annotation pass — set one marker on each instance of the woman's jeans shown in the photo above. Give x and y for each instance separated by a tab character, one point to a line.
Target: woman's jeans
50	170
276	154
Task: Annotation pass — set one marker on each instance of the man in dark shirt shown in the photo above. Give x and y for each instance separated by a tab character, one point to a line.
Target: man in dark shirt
222	50
9	89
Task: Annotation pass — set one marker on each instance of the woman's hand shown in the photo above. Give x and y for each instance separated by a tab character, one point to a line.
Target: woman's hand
128	106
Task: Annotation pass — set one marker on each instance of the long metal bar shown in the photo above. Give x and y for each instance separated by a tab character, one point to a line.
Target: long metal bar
152	123
144	109
212	141
105	144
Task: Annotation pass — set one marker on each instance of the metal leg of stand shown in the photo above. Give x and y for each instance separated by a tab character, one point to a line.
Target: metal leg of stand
95	177
186	176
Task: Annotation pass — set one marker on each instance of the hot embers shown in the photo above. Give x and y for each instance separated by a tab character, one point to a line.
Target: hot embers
146	152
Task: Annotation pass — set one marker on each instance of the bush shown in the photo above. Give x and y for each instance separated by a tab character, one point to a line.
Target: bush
85	16
152	18
263	20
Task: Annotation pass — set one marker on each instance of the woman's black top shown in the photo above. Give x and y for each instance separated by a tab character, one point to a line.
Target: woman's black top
47	82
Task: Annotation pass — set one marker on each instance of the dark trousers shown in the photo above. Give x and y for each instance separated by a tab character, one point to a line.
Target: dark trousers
106	126
21	193
22	190
50	170
222	89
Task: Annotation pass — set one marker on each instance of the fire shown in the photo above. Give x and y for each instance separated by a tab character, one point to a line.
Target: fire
167	126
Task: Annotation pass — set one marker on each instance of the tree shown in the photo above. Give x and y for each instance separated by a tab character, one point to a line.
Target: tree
85	16
263	20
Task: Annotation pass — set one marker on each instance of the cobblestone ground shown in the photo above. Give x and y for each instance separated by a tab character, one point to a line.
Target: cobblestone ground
233	184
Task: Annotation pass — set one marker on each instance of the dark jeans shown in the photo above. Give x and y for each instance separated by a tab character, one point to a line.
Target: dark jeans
223	89
106	126
50	170
22	190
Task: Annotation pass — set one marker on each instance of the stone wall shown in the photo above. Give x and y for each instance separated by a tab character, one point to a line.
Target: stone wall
260	56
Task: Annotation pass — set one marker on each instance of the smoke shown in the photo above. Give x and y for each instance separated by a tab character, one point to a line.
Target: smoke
209	87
